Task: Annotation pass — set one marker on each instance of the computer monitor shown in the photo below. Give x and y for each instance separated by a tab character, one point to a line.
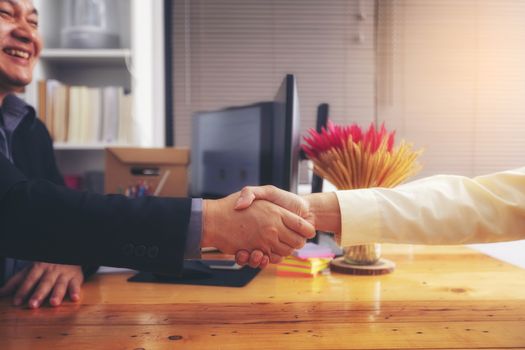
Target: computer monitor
286	150
321	122
257	144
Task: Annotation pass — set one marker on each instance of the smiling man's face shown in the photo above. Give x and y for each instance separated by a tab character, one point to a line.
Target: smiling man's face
20	44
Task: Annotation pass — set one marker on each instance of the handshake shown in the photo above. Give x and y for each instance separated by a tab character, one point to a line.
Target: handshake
262	225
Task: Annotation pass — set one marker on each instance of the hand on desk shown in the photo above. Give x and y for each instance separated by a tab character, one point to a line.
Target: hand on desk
43	280
320	209
263	226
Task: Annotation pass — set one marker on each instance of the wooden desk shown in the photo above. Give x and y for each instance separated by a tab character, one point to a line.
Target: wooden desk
438	298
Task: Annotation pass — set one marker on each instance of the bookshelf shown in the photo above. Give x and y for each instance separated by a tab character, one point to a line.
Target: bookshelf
136	65
104	57
69	146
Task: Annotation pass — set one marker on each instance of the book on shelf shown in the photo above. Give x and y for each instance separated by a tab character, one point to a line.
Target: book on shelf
42	100
59	106
46	95
127	128
93	124
73	110
86	115
110	123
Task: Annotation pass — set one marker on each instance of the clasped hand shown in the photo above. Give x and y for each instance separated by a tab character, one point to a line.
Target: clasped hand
264	226
320	210
289	201
269	229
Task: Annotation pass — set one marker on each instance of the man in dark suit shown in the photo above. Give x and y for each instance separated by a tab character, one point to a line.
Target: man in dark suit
25	142
42	220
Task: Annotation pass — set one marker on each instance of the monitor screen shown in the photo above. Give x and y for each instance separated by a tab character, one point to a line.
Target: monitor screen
286	144
230	150
253	145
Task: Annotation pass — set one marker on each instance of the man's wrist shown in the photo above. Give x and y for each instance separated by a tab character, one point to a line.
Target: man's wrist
205	226
325	210
192	247
207	223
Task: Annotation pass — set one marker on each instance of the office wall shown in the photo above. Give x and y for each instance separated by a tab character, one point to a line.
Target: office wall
451	78
234	52
448	75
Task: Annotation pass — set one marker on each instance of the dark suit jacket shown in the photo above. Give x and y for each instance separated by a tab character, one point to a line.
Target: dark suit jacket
43	221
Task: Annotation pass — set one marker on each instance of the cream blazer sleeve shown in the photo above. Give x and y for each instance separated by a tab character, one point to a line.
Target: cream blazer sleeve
441	209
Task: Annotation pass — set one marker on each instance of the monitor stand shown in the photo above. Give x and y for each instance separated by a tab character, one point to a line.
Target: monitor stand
198	272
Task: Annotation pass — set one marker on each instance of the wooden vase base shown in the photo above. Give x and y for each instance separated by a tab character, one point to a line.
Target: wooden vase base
382	267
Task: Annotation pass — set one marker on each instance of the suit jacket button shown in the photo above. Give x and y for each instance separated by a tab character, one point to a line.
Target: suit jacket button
128	249
153	252
140	250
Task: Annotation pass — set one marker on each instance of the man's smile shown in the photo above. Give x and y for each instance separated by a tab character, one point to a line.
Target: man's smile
18	52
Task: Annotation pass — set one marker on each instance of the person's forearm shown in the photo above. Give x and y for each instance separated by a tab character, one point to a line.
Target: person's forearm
45	222
437	210
325	209
208	223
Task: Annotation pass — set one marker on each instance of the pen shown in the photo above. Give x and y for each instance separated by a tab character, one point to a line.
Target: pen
162	182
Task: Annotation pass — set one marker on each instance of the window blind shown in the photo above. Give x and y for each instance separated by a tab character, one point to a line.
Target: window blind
235	52
451	79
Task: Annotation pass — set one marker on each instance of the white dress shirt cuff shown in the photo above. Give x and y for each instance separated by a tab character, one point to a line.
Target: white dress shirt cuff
360	217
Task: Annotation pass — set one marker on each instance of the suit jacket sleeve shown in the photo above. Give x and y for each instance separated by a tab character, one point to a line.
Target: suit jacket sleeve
441	209
53	174
45	222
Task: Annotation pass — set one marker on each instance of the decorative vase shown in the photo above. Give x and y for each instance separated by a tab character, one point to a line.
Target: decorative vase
351	158
364	254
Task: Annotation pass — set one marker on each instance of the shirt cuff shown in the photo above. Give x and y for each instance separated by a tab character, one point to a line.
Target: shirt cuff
192	249
360	217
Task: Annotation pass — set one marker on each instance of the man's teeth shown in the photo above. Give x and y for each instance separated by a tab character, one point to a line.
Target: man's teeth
18	53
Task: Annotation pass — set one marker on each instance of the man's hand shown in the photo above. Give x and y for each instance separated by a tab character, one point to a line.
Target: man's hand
254	259
320	209
274	231
42	280
287	200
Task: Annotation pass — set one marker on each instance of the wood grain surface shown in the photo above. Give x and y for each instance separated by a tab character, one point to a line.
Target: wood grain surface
437	298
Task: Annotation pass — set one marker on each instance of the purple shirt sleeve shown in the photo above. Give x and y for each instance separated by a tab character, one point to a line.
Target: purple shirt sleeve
192	249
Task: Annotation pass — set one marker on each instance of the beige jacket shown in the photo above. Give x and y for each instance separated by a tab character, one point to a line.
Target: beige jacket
437	210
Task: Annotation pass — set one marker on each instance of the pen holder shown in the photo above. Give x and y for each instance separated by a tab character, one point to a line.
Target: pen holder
351	158
364	254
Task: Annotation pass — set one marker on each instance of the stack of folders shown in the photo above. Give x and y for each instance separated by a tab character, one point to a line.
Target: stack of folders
306	262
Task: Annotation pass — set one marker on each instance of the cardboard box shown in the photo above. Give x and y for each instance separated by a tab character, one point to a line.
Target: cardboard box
166	168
